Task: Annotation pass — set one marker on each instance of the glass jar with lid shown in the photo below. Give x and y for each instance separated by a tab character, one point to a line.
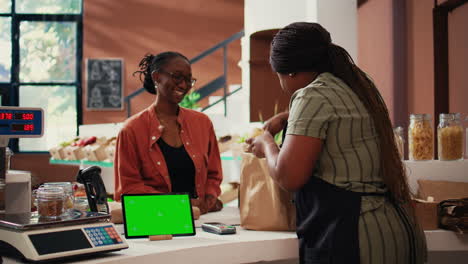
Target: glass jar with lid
68	190
399	141
450	137
420	137
81	204
50	202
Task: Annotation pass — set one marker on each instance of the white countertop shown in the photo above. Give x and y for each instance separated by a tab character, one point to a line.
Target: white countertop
244	247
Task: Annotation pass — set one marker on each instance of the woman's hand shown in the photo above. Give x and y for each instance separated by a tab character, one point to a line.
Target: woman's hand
275	124
213	204
208	204
257	144
198	203
196	212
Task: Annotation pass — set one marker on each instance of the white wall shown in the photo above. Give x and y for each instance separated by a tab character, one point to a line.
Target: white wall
339	17
269	14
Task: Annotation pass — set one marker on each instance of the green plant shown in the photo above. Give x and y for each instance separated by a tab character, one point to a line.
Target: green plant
190	100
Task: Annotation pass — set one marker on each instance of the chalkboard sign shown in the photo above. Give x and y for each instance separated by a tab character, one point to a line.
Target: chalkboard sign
104	84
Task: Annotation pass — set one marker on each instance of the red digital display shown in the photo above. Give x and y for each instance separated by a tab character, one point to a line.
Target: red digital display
6	116
28	116
22	127
16	116
28	127
24	116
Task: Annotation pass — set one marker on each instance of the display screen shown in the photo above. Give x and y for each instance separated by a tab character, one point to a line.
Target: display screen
157	214
61	241
21	122
16	116
24	116
22	127
6	116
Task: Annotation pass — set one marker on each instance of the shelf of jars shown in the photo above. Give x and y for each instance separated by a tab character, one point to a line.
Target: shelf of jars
449	162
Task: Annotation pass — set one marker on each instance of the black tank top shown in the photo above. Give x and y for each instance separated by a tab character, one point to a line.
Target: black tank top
180	167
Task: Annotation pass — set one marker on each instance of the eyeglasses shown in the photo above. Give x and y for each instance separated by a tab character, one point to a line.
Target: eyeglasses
179	78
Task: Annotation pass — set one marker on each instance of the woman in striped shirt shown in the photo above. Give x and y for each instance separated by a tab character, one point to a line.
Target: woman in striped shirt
339	155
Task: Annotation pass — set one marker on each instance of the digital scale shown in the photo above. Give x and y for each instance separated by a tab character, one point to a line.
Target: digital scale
26	235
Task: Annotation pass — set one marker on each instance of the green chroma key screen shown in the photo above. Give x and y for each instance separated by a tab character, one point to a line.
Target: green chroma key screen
157	214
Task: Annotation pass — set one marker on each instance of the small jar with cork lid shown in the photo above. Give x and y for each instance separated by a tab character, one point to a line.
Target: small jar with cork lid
50	202
69	195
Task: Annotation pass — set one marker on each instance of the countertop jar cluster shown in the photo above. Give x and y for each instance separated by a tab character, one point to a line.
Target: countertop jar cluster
450	137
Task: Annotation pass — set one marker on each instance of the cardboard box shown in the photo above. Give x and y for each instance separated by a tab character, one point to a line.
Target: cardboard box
426	214
110	153
74	153
57	153
95	152
442	190
426	209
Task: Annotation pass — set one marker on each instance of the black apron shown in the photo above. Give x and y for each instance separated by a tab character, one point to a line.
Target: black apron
327	221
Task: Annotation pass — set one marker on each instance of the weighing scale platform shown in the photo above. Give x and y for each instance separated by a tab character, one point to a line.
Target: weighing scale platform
31	221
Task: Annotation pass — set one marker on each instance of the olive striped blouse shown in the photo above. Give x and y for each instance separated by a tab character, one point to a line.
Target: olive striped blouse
328	109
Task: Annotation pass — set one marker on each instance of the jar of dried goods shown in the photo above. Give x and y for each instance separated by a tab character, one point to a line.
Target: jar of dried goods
50	202
69	195
450	137
420	137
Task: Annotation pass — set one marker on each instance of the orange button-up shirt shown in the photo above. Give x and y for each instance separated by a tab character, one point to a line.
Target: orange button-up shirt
139	164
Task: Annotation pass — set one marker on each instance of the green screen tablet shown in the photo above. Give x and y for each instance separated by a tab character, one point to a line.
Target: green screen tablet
157	214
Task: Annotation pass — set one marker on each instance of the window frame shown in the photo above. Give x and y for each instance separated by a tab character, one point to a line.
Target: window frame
10	91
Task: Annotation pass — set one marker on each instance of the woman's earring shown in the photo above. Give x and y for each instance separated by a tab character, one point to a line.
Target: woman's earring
155	85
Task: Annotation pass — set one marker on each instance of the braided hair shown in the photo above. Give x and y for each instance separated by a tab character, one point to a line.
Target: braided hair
307	47
151	63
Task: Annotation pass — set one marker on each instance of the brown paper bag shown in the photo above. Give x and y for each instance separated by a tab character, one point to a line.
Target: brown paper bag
263	204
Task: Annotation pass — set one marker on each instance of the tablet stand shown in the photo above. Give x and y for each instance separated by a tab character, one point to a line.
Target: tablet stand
160	237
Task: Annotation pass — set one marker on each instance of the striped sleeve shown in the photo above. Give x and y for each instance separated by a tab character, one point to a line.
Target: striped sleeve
309	114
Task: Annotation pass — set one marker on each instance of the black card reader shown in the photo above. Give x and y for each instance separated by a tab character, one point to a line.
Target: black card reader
218	228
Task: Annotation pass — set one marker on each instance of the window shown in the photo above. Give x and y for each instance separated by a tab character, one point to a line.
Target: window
40	65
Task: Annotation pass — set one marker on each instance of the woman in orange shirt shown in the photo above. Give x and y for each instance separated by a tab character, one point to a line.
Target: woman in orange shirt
168	148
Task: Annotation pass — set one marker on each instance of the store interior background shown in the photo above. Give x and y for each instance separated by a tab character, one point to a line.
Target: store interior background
394	45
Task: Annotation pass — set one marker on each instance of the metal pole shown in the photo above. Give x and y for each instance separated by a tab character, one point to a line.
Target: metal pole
128	108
